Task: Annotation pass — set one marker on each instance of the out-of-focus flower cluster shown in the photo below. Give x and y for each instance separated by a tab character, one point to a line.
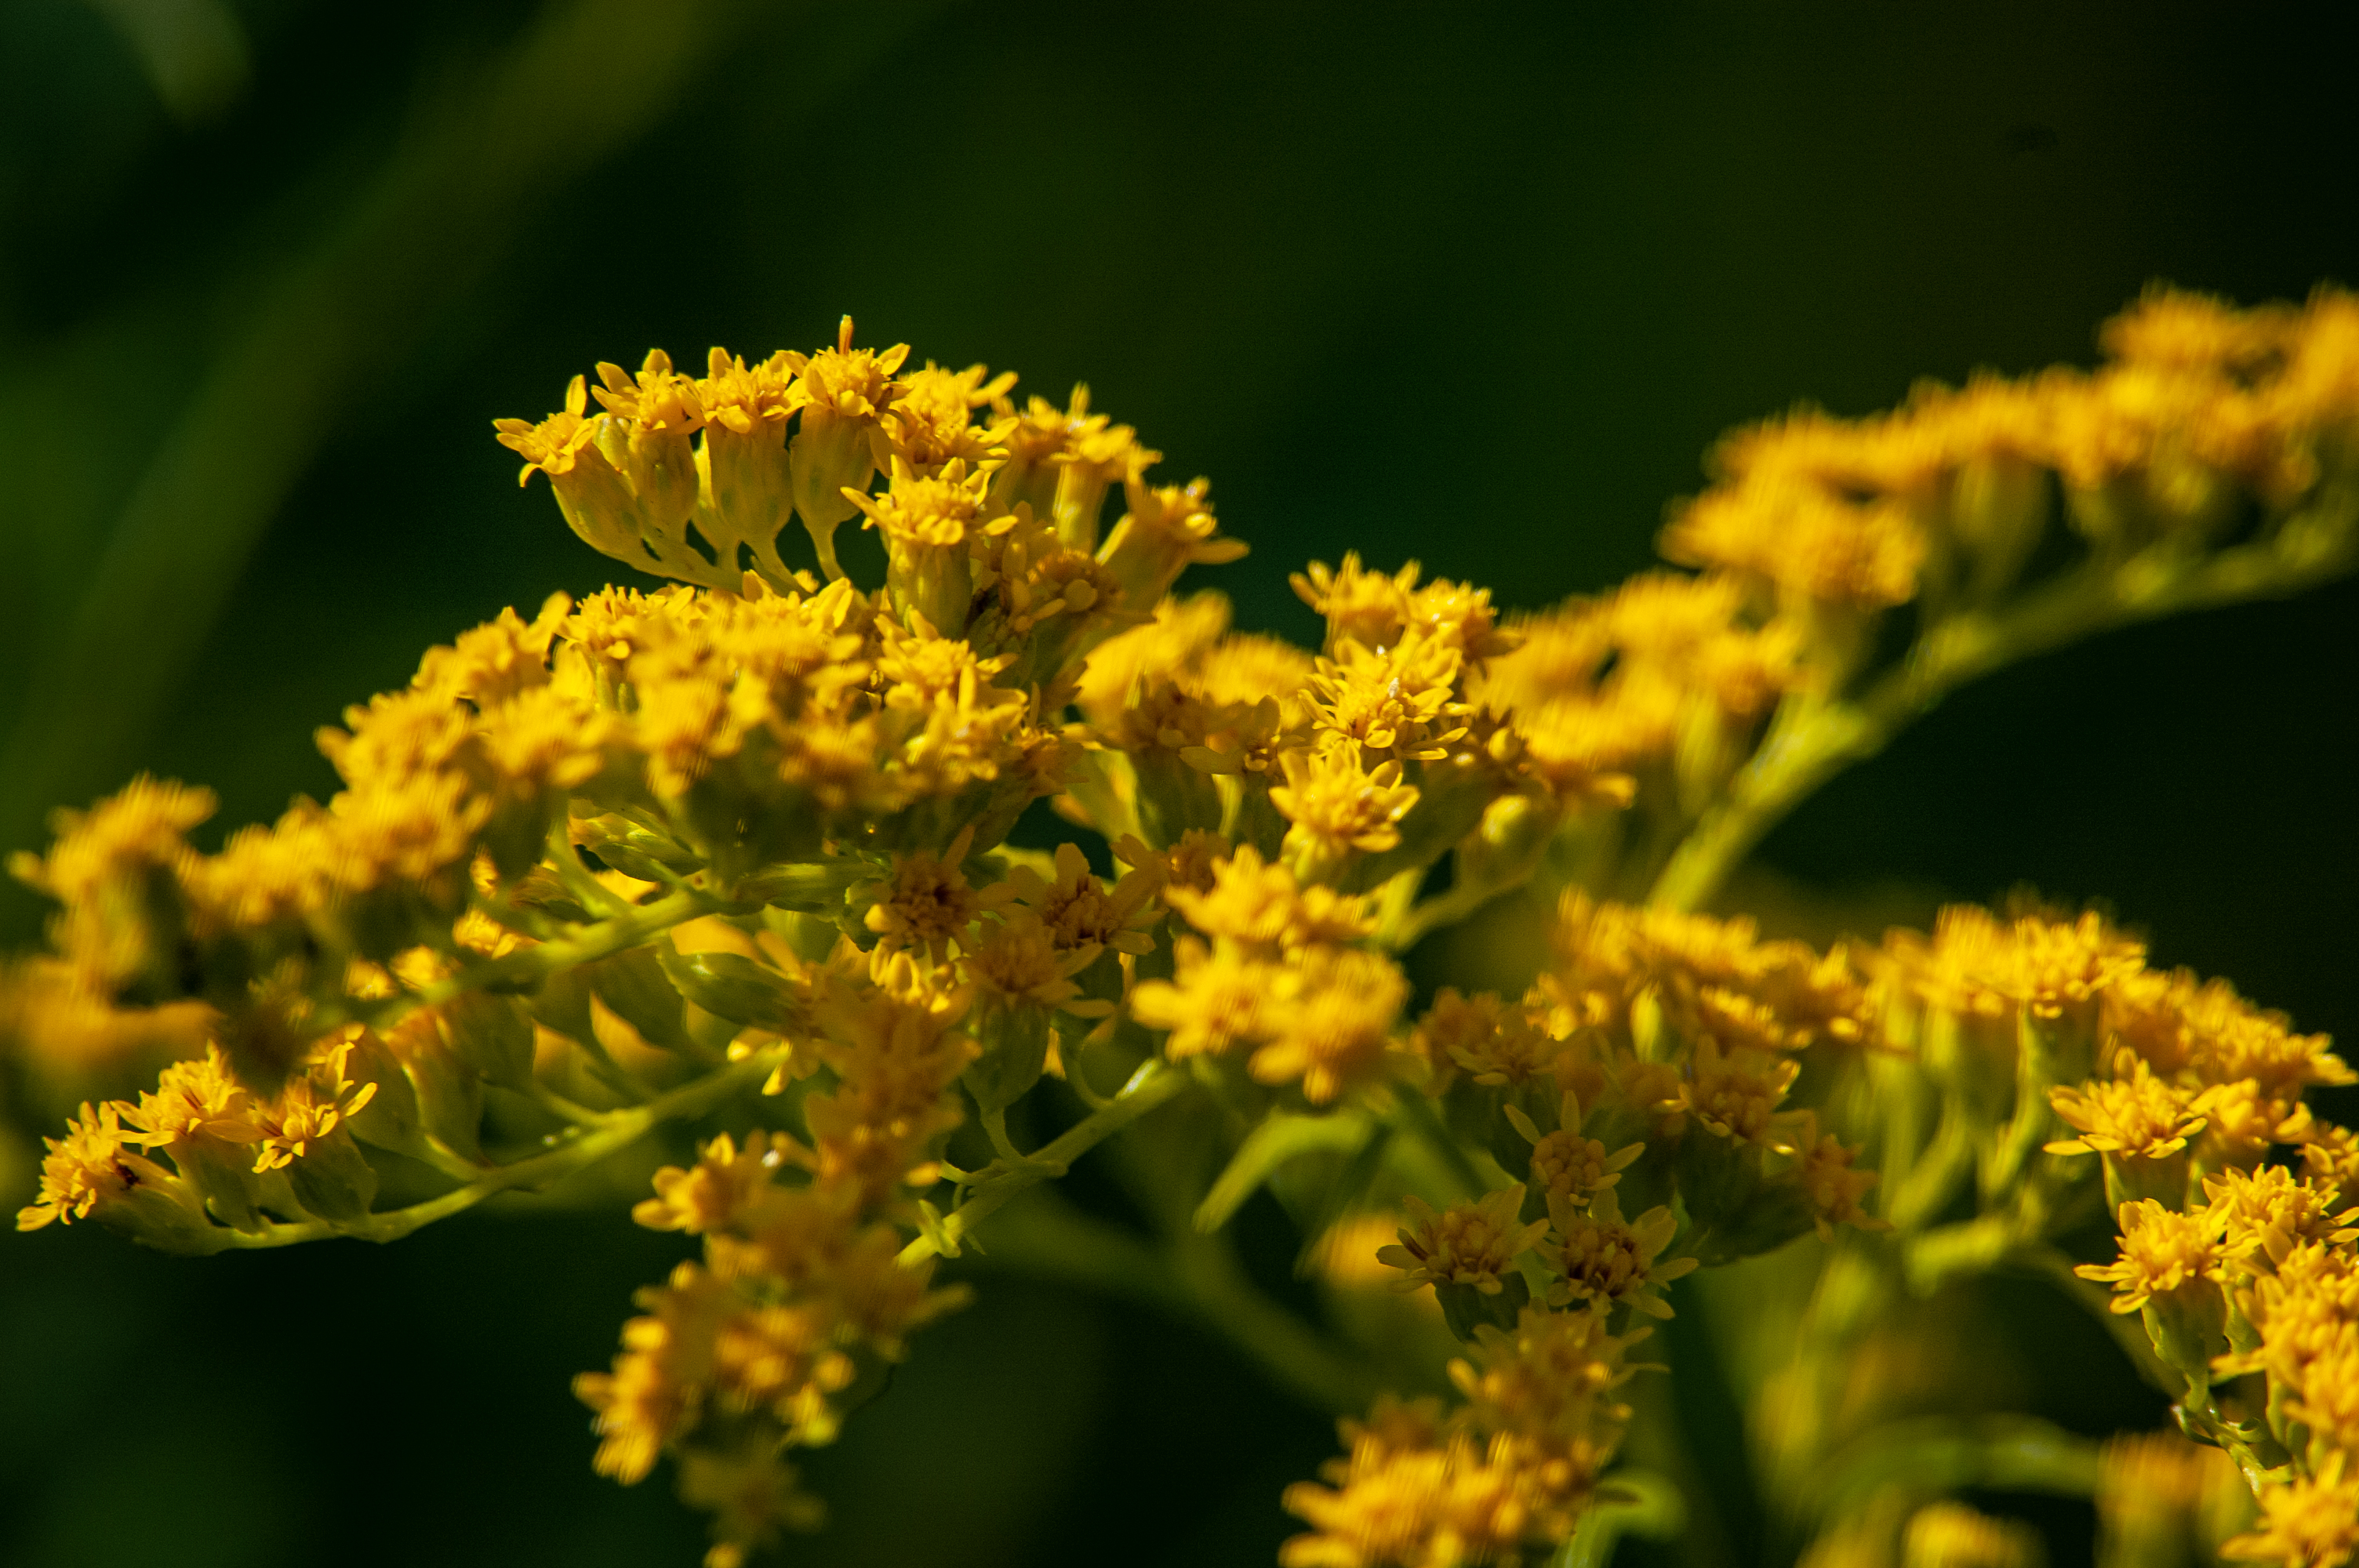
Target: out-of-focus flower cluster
739	847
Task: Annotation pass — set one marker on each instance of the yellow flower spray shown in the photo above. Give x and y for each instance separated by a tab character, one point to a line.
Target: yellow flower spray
737	851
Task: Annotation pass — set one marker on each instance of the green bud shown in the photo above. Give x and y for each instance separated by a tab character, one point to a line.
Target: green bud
1014	1041
491	1034
333	1179
633	984
1464	1308
733	986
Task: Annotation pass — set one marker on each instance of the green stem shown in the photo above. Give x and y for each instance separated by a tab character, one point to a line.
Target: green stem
1154	1083
1797	757
617	1132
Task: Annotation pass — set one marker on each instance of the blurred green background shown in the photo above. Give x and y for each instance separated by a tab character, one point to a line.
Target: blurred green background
1470	284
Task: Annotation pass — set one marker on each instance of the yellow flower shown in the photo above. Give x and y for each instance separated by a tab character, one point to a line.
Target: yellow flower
1337	807
723	1184
1471	1244
926	904
1262	907
1952	1535
931	422
1020	962
2163	1253
1333	1026
1834	1187
1079	910
314	1102
110	868
1737	1094
2140	1116
1060	463
2306	1523
88	1167
1217	997
1599	1260
1168	529
2265	1214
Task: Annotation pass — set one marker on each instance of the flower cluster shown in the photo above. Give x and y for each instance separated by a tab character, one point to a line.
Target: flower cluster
738	848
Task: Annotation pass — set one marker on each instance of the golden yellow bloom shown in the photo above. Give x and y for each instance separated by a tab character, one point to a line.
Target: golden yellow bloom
1020	960
660	1379
2140	1116
1398	701
1737	1094
1060	462
110	868
1471	1244
314	1102
1168	529
1599	1260
782	1358
2163	1252
1332	1029
90	1165
2309	1523
752	1495
1262	906
2265	1214
1079	910
1336	807
1415	1495
1834	1187
932	423
1952	1535
1483	1036
1217	997
723	1184
927	904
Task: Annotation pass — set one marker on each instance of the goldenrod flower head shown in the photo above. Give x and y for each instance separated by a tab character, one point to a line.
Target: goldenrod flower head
1805	538
2306	1521
1601	1260
1567	1168
1261	905
89	1165
1735	1093
1834	1187
1218	997
1336	807
2265	1214
782	1358
194	1103
845	383
931	422
1359	605
1020	962
315	1101
1551	1378
1416	1493
1952	1535
926	904
2163	1252
723	1184
103	869
1168	529
744	400
751	1494
2153	1484
1079	910
1470	1244
2141	1117
1495	1043
554	444
498	660
659	1379
1397	701
1333	1028
2329	1154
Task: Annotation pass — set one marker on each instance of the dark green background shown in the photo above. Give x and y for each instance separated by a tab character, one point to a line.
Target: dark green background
1472	283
